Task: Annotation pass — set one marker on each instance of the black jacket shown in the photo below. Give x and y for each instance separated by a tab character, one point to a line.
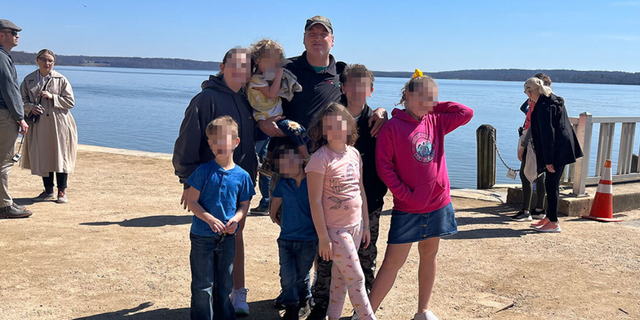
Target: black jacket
215	100
554	140
366	144
318	88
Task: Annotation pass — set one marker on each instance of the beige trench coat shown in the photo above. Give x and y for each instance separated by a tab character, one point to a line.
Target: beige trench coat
51	143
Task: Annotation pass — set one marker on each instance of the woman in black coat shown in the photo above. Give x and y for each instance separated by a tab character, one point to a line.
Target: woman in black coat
555	143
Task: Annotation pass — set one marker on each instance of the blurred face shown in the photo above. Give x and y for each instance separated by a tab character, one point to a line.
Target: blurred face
335	128
423	99
318	41
532	92
290	164
223	141
237	69
357	90
9	38
269	63
45	63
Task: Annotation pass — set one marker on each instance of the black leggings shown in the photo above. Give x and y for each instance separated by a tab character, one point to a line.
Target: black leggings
62	181
552	184
527	190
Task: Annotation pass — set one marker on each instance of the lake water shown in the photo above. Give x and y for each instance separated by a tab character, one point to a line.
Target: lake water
141	109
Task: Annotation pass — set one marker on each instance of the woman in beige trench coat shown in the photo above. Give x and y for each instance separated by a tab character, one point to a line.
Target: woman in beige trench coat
52	140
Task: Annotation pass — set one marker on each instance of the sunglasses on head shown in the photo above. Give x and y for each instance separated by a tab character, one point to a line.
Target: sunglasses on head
13	32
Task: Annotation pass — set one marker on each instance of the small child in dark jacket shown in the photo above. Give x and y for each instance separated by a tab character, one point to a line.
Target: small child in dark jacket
298	241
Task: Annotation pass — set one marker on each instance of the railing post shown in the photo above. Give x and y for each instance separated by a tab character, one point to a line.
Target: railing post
584	132
626	147
486	156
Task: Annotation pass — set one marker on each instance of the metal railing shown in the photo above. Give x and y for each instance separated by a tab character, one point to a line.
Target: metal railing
579	172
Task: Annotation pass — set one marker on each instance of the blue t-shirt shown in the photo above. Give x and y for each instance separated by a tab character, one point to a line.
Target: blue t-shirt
297	223
220	192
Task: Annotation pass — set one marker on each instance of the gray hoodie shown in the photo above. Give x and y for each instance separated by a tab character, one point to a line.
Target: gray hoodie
215	100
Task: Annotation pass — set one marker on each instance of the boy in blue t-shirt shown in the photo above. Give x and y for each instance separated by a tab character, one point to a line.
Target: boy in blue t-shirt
219	198
298	241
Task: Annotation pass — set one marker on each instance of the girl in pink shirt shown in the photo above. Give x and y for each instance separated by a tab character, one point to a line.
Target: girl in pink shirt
339	206
410	160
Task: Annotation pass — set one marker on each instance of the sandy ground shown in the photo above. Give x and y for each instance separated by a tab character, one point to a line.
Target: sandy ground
119	250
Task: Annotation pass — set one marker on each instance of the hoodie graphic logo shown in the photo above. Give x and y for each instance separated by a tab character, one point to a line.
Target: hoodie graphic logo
422	147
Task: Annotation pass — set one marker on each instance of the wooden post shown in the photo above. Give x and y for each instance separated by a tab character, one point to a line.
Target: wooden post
486	156
585	128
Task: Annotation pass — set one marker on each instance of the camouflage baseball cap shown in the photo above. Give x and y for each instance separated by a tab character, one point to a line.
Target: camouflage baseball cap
321	20
6	24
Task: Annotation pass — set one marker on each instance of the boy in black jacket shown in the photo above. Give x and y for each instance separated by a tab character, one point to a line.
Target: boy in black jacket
357	86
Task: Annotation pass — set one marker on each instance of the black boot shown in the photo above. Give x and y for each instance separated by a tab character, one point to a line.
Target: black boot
291	313
318	312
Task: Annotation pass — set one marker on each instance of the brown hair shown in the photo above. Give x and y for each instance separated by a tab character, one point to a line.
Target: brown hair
222	122
316	133
260	49
230	53
45	51
357	71
545	79
411	86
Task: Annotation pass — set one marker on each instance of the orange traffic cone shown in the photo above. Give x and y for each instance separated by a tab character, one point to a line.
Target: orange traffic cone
602	208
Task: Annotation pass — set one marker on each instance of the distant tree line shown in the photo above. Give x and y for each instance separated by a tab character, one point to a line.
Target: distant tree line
571	76
20	57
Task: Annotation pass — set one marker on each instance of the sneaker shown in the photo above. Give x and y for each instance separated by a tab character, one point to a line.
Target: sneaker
62	197
239	301
260	210
538	215
425	316
13	211
266	168
318	312
540	223
521	216
277	303
45	196
355	316
305	309
550	227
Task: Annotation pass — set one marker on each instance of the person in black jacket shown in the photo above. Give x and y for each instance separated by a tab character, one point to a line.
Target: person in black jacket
221	95
318	73
555	143
357	86
526	214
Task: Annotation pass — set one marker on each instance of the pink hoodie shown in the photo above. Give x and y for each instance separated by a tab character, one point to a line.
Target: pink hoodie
410	156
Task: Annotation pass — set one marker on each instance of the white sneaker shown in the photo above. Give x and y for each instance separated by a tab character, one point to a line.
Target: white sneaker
239	301
425	316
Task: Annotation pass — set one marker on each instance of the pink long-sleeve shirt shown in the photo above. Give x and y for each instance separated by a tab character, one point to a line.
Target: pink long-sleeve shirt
410	156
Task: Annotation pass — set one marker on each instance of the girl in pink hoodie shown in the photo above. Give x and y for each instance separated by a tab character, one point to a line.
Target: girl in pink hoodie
410	160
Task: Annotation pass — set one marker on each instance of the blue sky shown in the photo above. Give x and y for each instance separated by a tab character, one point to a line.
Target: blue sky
384	35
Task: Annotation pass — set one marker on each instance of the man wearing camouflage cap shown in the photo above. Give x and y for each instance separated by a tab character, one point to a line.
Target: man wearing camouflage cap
11	118
319	74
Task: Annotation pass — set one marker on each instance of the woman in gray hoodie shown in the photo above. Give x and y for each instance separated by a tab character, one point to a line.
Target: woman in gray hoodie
221	95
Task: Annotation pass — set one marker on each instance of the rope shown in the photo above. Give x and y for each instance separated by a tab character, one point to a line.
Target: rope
493	135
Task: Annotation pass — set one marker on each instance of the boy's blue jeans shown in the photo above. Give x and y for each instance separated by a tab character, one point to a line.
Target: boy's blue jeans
296	260
212	276
295	132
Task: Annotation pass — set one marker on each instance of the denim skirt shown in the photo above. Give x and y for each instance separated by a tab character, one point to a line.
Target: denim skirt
414	227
